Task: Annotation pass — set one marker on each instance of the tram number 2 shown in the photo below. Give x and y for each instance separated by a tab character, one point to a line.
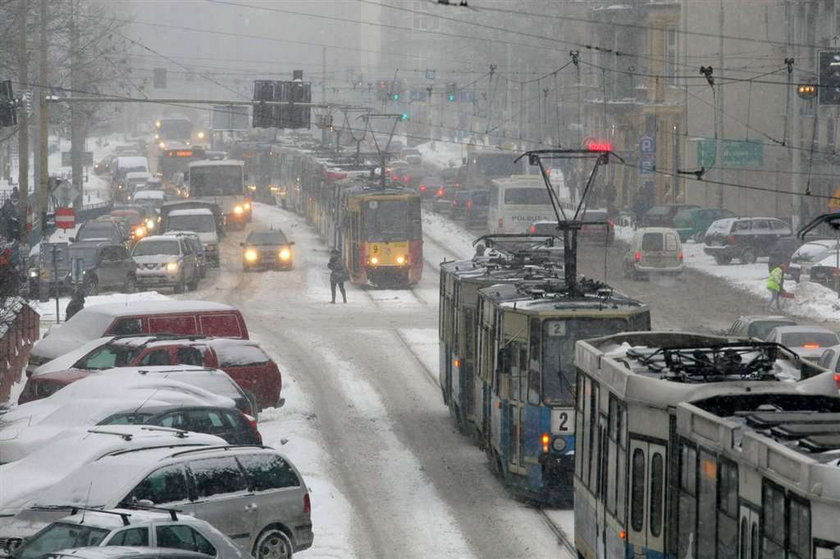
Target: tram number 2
563	421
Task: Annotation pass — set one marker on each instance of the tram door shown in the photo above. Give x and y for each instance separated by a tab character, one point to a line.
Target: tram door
748	536
647	496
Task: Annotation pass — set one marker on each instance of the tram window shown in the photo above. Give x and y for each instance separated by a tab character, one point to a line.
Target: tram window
579	426
727	509
534	369
657	487
469	331
583	436
773	522
637	491
688	501
799	530
523	373
594	446
754	541
743	539
706	501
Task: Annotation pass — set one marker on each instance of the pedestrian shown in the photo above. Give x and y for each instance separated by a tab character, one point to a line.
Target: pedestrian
77	303
338	274
776	286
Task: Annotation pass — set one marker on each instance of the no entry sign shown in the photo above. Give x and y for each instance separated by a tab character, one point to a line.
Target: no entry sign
65	218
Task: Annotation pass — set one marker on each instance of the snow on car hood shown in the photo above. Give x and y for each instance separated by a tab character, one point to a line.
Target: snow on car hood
155	259
67	360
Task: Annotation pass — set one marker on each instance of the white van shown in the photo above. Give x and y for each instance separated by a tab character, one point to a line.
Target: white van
201	221
519	201
656	250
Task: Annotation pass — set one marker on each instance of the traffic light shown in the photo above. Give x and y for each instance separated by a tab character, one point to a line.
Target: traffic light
8	111
806	91
395	96
404	116
451	91
829	90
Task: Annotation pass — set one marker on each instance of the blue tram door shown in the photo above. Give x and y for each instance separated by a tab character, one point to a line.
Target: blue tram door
646	526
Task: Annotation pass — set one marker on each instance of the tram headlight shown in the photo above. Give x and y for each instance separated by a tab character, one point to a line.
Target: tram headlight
374	261
251	255
401	260
559	444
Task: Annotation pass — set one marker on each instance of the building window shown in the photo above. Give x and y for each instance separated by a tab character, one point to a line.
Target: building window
671	54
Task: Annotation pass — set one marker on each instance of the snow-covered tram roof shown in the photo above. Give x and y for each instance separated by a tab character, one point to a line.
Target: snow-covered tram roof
662	369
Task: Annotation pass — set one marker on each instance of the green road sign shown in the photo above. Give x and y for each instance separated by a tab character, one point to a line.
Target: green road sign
736	153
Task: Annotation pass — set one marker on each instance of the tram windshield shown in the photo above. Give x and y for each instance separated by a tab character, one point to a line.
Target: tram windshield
389	220
558	352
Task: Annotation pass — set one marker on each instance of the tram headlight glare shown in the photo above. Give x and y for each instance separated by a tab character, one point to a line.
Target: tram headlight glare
545	440
401	260
374	260
162	145
559	444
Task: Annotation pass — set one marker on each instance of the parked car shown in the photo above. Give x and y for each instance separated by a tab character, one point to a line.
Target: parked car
25	479
126	527
827	271
744	238
147	317
125	552
653	250
103	229
253	495
691	223
164	261
246	363
663	215
811	253
757	326
267	248
808	342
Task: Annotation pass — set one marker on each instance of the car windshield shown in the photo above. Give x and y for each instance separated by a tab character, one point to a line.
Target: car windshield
107	357
148	248
198	223
762	329
96	231
266	238
809	339
59	536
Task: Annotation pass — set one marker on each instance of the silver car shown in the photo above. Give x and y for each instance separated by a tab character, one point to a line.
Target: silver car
808	342
252	494
166	261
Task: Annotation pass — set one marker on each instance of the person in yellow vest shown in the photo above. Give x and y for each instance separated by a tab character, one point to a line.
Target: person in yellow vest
776	285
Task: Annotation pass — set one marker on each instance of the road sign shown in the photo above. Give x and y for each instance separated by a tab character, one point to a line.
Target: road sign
87	158
65	218
430	74
736	153
647	166
647	145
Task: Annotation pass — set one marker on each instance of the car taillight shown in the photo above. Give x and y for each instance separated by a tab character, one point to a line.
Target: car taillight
638	257
253	424
422	188
533	229
439	193
837	379
730	239
680	255
307	504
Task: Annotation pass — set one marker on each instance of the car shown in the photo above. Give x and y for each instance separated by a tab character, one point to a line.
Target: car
104	266
125	552
147	317
267	248
691	223
653	250
165	261
811	253
147	214
134	222
24	479
744	238
151	198
254	495
477	207
663	215
246	363
429	185
808	342
458	206
443	197
104	165
103	229
201	257
597	232
202	221
132	527
757	326
826	272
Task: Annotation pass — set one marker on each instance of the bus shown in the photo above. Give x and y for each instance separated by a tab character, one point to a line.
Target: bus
173	162
222	183
519	201
692	445
173	131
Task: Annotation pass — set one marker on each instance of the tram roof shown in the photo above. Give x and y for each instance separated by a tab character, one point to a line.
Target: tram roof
662	369
550	295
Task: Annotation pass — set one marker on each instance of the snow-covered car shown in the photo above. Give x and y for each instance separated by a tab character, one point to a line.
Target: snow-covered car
201	221
125	552
125	527
827	270
166	261
809	254
149	317
244	360
808	342
253	495
25	479
152	198
757	326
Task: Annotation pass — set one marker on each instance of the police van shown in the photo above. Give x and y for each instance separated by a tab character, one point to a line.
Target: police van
517	202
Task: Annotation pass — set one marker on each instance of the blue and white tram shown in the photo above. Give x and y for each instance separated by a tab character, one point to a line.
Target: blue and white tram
527	336
694	446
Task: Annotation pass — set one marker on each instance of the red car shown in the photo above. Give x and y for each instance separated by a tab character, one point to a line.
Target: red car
246	363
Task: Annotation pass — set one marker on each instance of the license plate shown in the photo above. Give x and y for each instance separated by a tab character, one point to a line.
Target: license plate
563	421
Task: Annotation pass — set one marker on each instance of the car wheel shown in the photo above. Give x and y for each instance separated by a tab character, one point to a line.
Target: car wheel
181	285
722	260
130	284
90	286
272	544
748	256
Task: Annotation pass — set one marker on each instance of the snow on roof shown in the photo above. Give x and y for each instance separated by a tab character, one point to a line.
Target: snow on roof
220	163
152	307
194	211
150	194
132	161
137	175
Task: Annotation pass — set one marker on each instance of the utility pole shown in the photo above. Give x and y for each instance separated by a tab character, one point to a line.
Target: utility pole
324	89
719	110
23	125
77	135
43	119
794	110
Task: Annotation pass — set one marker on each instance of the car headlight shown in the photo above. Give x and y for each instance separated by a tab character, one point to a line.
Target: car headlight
33	273
150	224
238	209
251	255
401	260
172	267
139	232
374	260
285	254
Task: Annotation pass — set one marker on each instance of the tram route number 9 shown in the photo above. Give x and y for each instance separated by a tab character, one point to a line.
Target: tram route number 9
563	421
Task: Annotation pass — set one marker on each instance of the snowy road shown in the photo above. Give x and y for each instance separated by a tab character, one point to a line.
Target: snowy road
364	418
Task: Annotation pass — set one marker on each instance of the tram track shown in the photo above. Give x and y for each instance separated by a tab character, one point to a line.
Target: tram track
563	539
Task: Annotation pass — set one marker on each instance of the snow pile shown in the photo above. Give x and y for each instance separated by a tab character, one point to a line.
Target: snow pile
449	234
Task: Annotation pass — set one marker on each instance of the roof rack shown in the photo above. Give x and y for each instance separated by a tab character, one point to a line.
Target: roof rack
221	447
713	362
75	509
173	513
123	436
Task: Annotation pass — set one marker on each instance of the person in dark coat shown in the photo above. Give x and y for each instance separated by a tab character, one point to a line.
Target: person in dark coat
338	274
77	303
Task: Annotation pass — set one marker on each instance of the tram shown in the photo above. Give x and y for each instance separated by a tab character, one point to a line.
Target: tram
381	234
701	446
